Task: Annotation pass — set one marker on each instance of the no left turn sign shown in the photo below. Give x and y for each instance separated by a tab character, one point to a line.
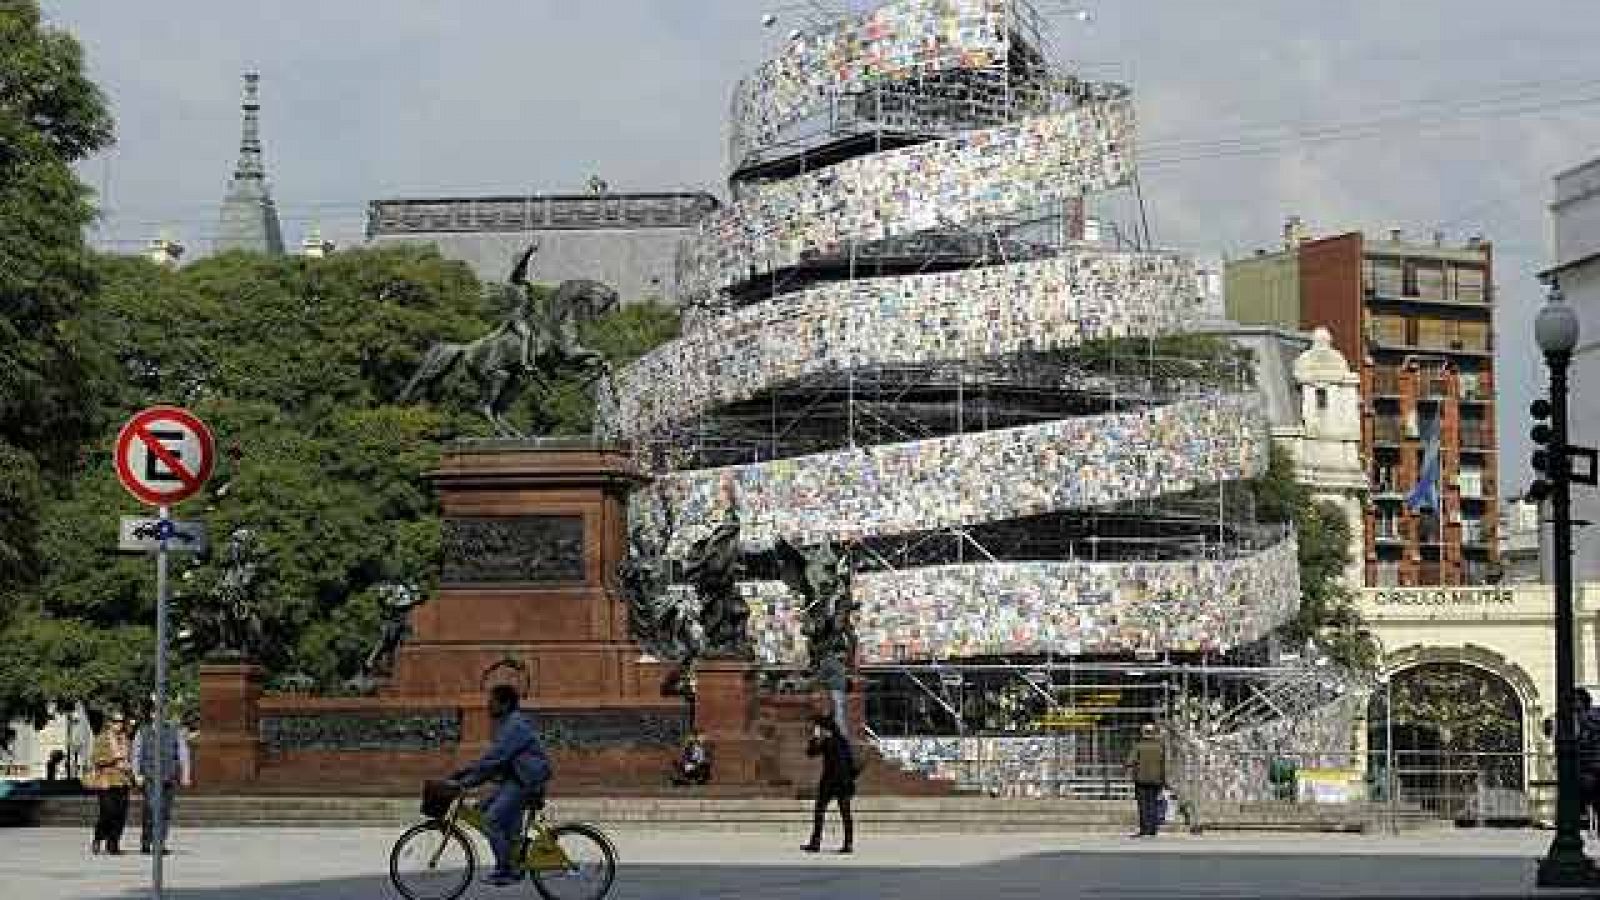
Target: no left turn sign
164	455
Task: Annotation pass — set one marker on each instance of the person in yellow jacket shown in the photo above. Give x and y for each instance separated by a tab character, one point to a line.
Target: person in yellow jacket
1147	768
111	777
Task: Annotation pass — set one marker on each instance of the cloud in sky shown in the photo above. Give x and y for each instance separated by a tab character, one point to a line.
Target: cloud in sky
417	97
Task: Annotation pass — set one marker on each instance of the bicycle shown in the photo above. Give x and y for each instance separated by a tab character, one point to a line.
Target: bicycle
436	859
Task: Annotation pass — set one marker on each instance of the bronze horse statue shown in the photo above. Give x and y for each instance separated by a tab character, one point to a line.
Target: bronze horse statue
533	341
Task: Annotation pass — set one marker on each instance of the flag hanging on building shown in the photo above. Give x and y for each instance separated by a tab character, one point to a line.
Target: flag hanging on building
1426	493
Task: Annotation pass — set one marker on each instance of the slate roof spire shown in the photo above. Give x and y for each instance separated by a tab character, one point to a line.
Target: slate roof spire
249	220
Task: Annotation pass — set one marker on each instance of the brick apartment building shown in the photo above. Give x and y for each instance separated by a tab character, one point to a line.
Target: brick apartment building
1417	318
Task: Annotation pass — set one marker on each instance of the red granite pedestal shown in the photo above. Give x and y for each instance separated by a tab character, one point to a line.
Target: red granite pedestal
228	750
726	711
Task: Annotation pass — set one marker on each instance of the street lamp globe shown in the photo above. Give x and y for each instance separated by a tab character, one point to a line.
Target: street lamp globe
1556	328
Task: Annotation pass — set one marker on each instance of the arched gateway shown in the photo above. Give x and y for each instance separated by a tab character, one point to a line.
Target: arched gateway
1458	729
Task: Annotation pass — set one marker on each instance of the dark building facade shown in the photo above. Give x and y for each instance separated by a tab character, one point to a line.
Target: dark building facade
629	241
1419	319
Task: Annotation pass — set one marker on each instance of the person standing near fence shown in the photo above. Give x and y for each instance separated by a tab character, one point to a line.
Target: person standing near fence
1147	768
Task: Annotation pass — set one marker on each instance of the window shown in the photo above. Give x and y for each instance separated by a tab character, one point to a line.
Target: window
1384	277
1471	481
1430	281
1468	287
1322	398
1388	329
1386	429
1383	479
1409	279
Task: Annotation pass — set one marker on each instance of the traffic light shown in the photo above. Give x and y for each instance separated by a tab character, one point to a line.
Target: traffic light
1545	454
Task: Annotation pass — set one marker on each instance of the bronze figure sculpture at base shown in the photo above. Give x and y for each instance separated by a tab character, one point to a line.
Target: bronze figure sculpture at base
821	578
230	627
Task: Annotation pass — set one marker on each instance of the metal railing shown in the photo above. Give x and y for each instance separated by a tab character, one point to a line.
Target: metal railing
1472	787
1209	783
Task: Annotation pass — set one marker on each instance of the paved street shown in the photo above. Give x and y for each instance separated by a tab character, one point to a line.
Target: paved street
280	864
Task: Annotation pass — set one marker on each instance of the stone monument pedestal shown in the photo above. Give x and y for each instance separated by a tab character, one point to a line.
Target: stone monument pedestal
726	710
228	750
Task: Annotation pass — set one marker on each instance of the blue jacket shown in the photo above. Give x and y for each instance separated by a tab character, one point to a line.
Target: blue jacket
514	755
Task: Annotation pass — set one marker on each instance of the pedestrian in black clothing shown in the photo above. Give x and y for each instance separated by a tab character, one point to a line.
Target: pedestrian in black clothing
838	781
1587	719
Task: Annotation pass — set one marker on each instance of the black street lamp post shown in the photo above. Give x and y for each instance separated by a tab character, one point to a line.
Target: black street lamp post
1565	865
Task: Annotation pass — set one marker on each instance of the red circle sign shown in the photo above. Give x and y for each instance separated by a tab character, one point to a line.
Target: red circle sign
164	455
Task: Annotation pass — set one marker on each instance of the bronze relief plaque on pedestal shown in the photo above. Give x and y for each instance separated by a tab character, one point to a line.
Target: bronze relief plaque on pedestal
513	550
611	730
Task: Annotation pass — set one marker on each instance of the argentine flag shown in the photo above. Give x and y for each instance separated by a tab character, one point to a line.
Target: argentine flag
1425	494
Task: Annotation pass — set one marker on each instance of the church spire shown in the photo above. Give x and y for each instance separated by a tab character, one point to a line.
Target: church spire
249	218
250	165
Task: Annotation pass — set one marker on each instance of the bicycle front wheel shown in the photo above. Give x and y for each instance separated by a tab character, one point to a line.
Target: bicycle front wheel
587	868
432	862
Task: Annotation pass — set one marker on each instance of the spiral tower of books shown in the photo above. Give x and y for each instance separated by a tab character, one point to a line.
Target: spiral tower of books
899	337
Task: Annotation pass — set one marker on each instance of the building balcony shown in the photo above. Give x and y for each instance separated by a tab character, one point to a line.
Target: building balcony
1457	301
1435	389
1455	348
1387	432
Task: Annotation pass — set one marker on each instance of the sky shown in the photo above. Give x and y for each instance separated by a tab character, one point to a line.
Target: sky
1368	115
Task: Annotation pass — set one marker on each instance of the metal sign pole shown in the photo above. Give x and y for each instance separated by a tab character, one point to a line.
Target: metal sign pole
158	789
164	455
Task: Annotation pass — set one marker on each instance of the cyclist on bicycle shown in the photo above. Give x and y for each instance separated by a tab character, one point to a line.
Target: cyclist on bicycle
516	760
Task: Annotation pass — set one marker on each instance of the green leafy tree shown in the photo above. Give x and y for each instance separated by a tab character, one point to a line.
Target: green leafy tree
51	116
294	364
1328	612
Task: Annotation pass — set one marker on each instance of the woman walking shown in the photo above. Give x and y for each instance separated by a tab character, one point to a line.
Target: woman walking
111	775
838	781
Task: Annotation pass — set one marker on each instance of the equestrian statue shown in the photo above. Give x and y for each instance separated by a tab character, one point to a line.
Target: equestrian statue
537	341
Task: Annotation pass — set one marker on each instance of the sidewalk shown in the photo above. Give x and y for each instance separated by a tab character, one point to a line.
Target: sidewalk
321	864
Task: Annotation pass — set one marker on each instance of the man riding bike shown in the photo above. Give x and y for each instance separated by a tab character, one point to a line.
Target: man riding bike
516	760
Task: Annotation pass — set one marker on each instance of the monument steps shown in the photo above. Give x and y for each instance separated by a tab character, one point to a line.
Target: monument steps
873	814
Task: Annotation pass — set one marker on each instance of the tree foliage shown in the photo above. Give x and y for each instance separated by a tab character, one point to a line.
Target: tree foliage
51	116
1328	612
293	364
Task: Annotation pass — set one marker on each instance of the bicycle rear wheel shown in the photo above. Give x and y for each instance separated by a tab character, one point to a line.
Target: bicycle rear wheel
591	865
430	862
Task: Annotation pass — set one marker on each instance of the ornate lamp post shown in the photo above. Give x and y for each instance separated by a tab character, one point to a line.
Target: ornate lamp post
1556	330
